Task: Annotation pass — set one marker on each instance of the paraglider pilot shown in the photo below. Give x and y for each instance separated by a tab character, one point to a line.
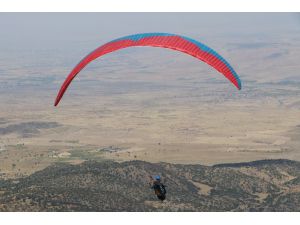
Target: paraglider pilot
158	187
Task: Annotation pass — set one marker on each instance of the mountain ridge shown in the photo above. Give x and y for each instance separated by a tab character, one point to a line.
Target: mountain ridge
264	185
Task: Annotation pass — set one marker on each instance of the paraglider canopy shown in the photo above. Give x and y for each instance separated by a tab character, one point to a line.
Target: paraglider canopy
163	40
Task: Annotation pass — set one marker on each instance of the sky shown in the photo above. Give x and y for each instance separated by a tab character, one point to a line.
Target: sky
47	30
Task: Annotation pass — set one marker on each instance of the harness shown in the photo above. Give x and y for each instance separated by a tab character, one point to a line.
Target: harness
159	189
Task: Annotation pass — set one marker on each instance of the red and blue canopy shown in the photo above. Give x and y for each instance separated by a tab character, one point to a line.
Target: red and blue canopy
164	40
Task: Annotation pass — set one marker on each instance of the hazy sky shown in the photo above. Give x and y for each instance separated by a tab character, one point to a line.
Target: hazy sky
48	45
43	30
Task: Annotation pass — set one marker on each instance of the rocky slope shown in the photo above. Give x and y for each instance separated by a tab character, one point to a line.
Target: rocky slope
267	185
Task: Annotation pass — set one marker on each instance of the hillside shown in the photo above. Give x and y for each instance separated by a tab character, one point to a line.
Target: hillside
266	185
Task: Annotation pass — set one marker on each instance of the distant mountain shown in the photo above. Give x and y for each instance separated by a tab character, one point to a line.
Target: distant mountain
266	185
